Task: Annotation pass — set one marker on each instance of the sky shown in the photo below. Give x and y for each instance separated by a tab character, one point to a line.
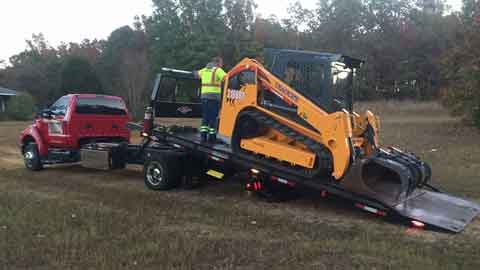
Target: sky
74	20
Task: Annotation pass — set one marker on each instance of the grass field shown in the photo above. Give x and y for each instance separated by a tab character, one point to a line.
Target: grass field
69	217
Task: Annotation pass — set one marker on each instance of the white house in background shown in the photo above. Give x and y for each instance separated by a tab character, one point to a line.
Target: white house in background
5	94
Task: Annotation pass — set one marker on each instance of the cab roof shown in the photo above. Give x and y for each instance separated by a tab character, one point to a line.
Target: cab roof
320	56
94	96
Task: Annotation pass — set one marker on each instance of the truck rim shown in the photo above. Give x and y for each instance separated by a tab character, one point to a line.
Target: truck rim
29	156
154	174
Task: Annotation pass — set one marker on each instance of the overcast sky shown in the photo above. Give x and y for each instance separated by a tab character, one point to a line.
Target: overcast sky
73	20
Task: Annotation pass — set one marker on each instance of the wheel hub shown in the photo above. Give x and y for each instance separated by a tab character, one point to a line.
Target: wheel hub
29	155
155	175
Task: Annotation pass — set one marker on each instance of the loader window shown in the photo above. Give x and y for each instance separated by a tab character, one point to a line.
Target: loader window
294	76
241	79
306	76
315	80
341	85
328	84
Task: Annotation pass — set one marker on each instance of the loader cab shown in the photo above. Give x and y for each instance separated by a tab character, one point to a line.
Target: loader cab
325	78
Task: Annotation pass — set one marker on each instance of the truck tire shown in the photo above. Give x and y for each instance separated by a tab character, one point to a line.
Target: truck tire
31	157
274	192
158	175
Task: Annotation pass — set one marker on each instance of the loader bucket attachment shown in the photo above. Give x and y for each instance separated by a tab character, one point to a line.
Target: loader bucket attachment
390	183
383	180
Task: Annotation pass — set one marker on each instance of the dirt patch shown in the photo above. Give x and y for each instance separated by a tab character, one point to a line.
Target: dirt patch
10	156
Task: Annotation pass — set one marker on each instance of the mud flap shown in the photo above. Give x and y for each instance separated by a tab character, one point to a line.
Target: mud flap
438	210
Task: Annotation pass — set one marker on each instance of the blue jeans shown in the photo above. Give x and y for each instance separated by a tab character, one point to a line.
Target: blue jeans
210	108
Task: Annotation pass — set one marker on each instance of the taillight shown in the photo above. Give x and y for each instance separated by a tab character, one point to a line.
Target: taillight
418	224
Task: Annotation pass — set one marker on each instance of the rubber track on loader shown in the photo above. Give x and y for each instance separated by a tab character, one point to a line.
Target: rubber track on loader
323	161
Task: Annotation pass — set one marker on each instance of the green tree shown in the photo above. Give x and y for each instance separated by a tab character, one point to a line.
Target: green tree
339	24
471	11
20	107
36	70
240	36
78	76
270	33
125	66
461	68
185	33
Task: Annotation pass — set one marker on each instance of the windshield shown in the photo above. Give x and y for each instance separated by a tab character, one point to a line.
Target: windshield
329	84
60	106
100	105
342	78
325	79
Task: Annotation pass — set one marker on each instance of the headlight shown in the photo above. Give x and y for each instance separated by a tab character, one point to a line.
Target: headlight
55	127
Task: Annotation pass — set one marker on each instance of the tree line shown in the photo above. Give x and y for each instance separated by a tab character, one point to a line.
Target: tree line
414	49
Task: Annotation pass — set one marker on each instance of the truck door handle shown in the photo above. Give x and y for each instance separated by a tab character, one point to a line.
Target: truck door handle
88	126
114	126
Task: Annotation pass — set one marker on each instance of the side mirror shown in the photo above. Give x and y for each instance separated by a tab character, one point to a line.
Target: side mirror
45	113
38	113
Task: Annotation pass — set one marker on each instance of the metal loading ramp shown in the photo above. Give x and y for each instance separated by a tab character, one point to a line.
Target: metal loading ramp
438	210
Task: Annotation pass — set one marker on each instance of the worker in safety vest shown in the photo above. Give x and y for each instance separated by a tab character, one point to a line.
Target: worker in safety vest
211	76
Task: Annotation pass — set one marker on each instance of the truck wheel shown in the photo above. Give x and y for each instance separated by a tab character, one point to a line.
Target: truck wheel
31	157
277	193
158	175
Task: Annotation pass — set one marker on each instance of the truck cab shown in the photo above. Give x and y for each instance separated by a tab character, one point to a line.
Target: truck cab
58	132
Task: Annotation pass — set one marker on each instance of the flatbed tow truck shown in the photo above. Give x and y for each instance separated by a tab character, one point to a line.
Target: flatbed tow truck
173	155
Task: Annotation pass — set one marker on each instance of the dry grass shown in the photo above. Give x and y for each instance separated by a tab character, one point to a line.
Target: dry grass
69	217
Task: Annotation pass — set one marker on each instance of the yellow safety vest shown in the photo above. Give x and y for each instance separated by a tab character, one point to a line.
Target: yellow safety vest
211	81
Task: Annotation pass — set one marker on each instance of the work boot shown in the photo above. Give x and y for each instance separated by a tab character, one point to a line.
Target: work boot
203	136
212	137
204	133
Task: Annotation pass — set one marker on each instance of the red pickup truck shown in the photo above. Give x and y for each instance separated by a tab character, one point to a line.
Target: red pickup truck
58	132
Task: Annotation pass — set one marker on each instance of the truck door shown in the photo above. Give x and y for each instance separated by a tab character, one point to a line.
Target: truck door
55	128
177	95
